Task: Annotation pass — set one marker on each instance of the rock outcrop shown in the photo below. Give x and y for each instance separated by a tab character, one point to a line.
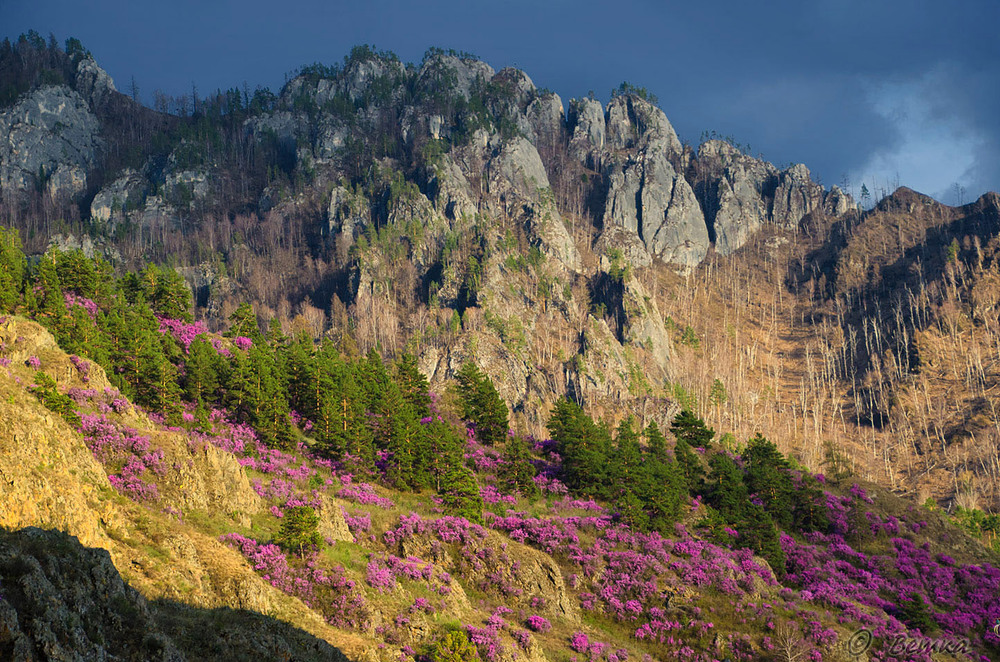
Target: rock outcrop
52	140
647	197
796	196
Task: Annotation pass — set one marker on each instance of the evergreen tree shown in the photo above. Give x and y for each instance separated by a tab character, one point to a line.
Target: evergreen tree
342	425
690	466
77	273
692	430
656	443
413	385
50	302
11	270
482	405
255	393
725	489
460	494
201	371
663	492
767	476
758	532
168	293
628	474
299	530
442	449
584	448
243	322
302	367
518	472
397	432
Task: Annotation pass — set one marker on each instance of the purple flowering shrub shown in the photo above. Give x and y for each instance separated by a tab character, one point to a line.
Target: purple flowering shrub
961	599
384	570
126	456
363	493
182	332
82	368
89	306
538	623
328	591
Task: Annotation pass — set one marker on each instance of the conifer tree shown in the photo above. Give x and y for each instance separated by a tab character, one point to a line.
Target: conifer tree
663	493
11	270
460	493
299	530
690	466
50	302
628	474
201	371
584	448
243	322
482	404
441	450
692	430
725	489
656	443
767	476
518	472
77	273
413	385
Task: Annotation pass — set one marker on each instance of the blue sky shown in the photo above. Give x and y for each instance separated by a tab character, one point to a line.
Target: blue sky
883	92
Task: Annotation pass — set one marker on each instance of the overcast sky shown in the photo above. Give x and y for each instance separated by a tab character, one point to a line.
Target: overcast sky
885	92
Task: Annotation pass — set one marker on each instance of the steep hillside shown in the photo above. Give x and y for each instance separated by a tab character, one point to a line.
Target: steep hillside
175	561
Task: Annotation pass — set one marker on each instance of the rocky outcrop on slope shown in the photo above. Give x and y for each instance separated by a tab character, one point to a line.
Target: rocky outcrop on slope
740	194
648	198
62	601
52	140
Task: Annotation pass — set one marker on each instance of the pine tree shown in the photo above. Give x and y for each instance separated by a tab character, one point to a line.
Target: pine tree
11	270
201	371
518	472
692	430
413	385
50	302
584	448
169	295
725	489
299	530
663	492
628	474
767	476
460	494
243	322
656	443
690	466
482	404
441	450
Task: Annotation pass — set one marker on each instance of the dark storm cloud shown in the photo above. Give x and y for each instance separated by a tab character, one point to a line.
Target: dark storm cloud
872	90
